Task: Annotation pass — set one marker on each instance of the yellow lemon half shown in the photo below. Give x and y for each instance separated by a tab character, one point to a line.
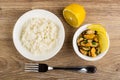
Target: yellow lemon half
74	15
98	27
103	39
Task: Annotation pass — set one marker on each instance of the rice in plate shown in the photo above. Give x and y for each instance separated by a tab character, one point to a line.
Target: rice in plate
39	35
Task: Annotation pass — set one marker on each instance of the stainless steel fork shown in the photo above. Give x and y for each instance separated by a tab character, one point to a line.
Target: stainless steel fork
35	67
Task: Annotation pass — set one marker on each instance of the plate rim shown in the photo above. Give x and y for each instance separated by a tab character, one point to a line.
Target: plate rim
22	52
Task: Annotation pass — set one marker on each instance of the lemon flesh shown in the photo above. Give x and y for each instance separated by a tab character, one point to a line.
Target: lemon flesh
74	15
103	39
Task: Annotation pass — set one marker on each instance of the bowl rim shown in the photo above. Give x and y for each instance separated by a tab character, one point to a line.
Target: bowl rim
37	13
75	47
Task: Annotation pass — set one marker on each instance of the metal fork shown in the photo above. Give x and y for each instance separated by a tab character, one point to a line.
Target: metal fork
35	67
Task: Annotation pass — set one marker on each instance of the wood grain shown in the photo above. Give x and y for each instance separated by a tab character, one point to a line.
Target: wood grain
106	12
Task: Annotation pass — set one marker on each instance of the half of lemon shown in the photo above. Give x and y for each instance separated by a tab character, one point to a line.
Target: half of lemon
102	33
74	15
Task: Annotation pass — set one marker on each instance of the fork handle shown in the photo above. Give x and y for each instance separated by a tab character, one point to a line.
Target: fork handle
83	69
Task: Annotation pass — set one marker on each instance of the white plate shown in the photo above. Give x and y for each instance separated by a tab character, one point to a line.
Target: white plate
18	27
76	35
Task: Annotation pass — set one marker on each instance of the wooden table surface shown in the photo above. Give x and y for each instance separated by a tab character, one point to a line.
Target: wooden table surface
106	12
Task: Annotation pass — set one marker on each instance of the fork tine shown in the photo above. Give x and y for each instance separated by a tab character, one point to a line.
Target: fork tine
30	70
31	66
